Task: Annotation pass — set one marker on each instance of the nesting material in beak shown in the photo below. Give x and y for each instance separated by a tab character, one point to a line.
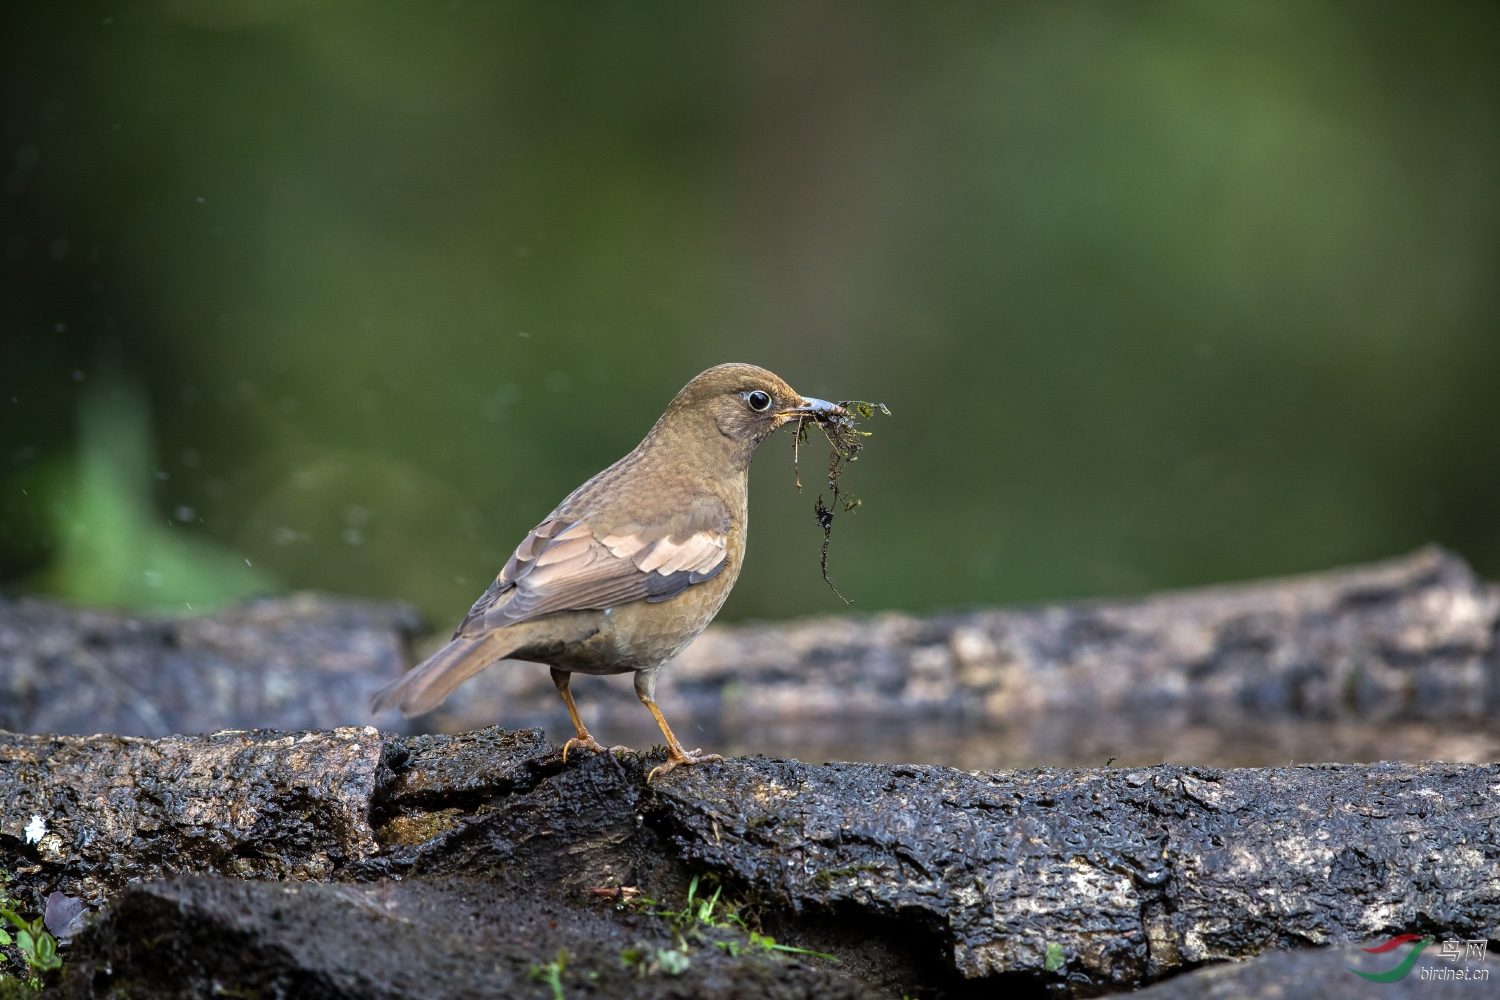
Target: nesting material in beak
837	422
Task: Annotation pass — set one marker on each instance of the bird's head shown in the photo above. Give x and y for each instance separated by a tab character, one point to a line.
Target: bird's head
742	405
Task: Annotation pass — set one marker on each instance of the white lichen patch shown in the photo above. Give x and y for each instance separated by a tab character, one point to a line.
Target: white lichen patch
36	829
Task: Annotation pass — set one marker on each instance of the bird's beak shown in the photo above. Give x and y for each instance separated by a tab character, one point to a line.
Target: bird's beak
817	409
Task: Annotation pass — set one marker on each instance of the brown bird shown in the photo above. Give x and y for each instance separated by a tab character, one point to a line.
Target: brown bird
627	570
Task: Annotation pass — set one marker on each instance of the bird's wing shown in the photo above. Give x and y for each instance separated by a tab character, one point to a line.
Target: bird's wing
565	566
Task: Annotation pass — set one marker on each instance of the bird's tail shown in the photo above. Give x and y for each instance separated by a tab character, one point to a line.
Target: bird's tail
425	686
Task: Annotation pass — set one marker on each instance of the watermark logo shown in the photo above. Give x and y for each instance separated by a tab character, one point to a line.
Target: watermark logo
1400	971
1454	952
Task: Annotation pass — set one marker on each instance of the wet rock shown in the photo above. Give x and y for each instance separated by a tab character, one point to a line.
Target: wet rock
1079	881
207	937
302	662
85	815
1121	876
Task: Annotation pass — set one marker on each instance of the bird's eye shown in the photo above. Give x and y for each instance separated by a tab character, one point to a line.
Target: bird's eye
759	401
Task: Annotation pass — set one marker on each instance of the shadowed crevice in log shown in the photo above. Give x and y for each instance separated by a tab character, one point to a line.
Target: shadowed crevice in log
463	771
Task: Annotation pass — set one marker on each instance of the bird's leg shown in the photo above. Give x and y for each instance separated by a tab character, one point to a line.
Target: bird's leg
585	739
645	689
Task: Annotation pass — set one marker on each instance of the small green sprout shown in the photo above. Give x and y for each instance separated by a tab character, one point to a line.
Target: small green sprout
713	912
38	948
551	973
1055	958
766	942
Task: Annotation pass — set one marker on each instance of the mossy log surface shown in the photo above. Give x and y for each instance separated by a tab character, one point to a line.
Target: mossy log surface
916	877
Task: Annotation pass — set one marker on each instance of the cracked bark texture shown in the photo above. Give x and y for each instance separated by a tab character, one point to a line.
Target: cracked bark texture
918	877
1133	873
85	815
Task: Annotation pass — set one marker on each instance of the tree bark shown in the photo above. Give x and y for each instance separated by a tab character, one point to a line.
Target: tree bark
916	876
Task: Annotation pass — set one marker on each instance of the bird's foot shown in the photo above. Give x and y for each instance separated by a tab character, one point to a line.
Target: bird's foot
686	757
585	742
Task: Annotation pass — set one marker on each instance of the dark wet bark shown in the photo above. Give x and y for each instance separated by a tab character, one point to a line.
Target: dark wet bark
921	879
915	876
86	815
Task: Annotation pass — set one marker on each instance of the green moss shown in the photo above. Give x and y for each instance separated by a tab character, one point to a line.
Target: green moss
12	988
418	828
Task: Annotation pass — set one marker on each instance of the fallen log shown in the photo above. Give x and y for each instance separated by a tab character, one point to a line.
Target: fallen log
300	662
1391	643
1409	638
1087	880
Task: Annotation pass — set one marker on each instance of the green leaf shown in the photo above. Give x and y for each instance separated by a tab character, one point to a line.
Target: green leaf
672	962
44	953
1055	957
5	937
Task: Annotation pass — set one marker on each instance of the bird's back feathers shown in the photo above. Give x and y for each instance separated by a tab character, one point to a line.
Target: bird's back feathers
562	566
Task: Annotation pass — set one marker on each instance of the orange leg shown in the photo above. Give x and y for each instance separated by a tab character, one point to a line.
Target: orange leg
584	739
645	689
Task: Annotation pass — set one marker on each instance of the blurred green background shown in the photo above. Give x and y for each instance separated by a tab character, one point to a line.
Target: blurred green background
348	295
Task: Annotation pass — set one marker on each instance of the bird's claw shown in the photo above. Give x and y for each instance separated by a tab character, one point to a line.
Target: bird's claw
587	743
687	757
592	745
